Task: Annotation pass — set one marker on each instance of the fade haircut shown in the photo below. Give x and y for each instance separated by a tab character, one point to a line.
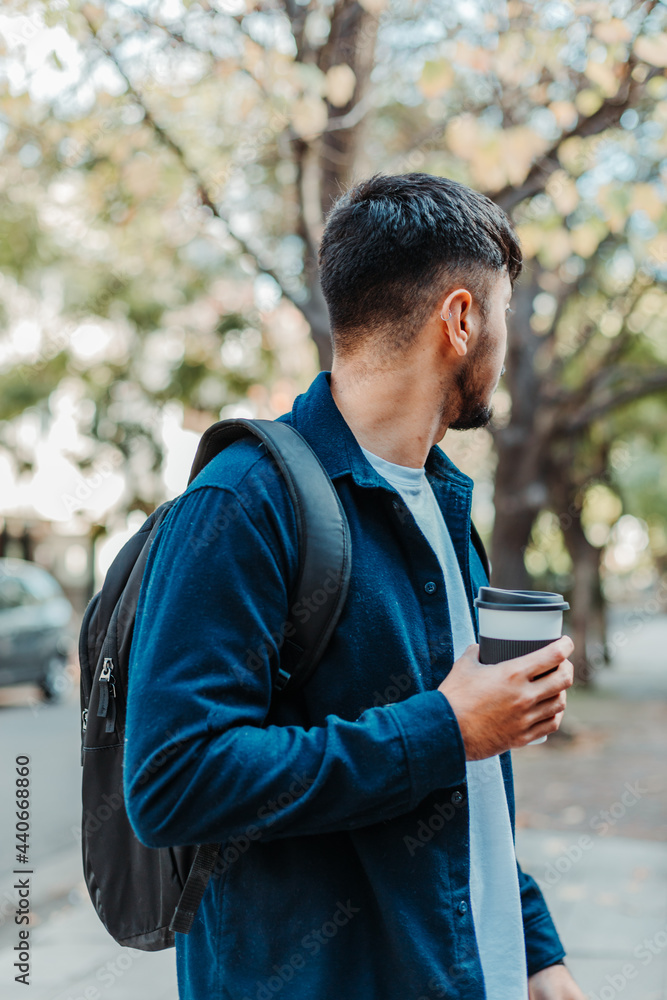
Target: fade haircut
392	242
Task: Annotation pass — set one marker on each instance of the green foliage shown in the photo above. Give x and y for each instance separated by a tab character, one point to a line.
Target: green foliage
22	248
29	385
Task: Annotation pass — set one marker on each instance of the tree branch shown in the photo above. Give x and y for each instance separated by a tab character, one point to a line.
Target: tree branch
609	113
553	387
645	385
204	195
606	364
297	14
353	117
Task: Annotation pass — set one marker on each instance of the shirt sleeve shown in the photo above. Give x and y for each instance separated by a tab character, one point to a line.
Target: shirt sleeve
201	764
543	945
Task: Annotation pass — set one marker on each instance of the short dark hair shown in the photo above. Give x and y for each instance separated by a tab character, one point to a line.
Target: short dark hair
388	244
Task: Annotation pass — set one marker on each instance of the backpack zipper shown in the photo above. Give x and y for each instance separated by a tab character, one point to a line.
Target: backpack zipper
84	644
106	706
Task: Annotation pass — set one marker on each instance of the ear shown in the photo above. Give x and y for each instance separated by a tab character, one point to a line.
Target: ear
455	314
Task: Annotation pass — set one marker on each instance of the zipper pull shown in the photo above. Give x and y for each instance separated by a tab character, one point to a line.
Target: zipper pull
110	724
106	682
84	723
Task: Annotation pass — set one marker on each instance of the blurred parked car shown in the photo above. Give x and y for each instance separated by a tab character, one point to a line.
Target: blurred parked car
35	638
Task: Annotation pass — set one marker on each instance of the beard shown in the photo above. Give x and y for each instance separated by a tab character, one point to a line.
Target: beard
472	387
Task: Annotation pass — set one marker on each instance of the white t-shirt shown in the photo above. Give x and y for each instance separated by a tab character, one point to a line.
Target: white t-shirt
494	882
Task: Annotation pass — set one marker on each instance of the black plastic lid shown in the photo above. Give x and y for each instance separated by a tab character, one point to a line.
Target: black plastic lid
519	600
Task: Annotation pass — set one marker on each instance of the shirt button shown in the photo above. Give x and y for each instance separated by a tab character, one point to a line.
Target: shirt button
430	587
463	907
457	797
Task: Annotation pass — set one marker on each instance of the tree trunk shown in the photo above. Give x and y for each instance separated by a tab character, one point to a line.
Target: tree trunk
511	534
586	609
326	167
520	485
317	314
351	42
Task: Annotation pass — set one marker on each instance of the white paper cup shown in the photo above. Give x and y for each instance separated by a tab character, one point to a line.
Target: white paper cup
515	622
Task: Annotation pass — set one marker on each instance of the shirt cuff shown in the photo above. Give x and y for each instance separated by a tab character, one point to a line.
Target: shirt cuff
433	743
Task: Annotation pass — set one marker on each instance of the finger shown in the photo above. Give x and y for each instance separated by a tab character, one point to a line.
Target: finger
542	728
557	680
471	655
541	660
548	707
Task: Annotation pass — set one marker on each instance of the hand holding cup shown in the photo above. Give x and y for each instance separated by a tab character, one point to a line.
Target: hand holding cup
514	622
509	705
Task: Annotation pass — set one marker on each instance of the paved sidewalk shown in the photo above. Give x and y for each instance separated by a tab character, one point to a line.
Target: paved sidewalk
592	816
75	959
608	898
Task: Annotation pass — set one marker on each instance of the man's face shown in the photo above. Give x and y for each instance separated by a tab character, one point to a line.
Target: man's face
479	373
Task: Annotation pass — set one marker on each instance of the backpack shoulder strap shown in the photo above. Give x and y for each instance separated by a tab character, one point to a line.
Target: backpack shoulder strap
324	555
324	538
479	548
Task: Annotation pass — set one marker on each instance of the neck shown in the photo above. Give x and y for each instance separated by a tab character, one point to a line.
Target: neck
396	414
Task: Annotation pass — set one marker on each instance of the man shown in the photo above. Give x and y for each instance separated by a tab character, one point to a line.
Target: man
367	821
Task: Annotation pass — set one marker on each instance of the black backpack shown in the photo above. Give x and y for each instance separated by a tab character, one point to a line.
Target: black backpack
143	895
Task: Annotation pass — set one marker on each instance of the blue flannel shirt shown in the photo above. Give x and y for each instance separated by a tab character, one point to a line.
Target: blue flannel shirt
341	809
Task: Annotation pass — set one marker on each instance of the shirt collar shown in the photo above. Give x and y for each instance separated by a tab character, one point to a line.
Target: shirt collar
315	415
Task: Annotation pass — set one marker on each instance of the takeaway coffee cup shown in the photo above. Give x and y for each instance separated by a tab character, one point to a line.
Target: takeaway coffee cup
515	622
